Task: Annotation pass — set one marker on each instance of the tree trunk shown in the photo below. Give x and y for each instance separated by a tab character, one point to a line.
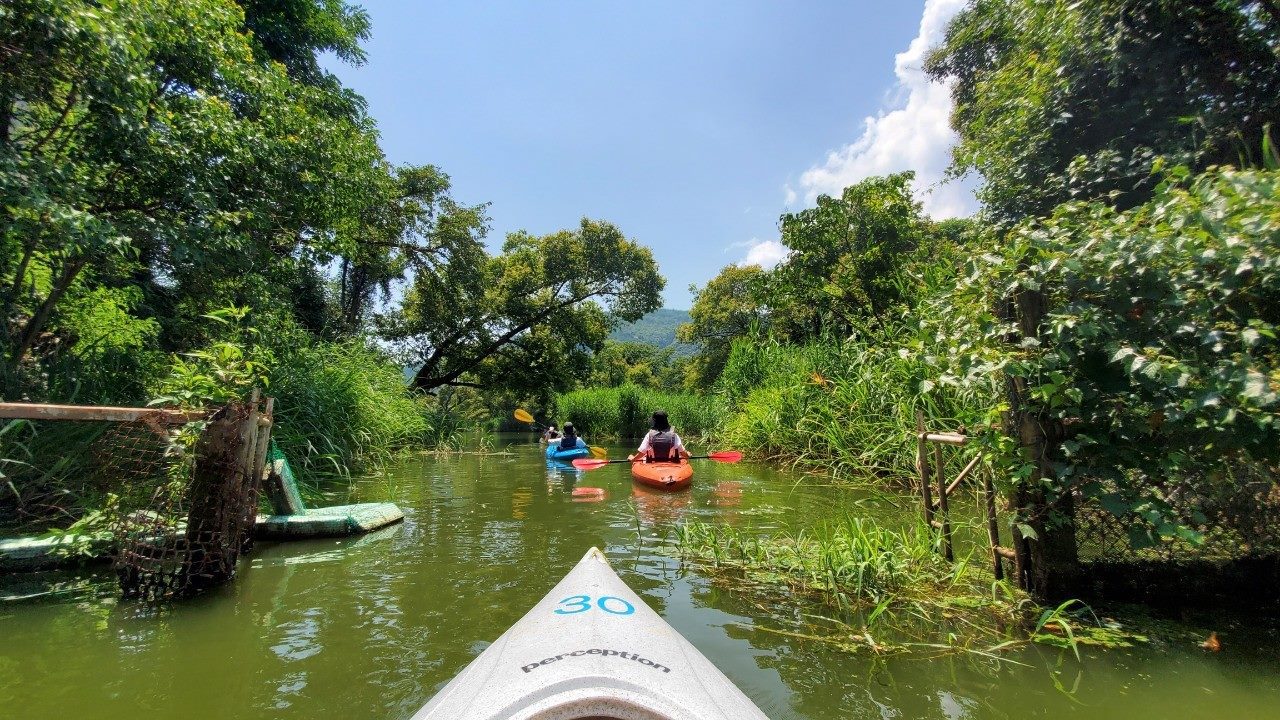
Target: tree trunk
19	279
37	322
1046	559
6	111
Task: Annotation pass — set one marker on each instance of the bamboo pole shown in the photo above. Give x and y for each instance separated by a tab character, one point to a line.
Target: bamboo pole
993	525
248	438
942	504
945	438
45	411
922	467
963	474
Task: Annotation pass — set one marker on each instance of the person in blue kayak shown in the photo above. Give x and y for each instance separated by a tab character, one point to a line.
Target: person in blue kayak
551	434
661	443
571	439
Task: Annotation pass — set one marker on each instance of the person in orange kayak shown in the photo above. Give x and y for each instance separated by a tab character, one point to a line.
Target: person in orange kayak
570	440
661	443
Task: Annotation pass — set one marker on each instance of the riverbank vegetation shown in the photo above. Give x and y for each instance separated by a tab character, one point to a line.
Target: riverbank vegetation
1105	328
890	592
194	205
166	165
624	411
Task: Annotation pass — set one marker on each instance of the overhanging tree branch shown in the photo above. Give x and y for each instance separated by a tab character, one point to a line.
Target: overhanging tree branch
425	382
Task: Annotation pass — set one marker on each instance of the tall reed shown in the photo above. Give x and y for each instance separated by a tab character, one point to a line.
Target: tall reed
843	406
623	412
852	561
341	407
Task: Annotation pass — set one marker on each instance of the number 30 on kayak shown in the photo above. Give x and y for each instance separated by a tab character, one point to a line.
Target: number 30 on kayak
582	603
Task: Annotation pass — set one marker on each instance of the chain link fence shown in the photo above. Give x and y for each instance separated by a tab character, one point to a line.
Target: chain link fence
1235	517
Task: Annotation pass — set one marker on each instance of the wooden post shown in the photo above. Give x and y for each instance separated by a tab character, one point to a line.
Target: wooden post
922	467
993	525
224	495
254	435
263	440
45	411
947	438
942	504
211	547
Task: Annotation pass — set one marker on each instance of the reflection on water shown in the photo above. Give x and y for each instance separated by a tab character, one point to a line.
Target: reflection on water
370	627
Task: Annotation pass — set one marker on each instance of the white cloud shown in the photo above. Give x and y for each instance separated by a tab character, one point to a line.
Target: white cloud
913	136
765	253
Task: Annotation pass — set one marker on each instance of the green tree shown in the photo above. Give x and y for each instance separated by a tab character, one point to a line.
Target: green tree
731	305
409	225
635	363
1059	101
846	257
1139	351
147	144
296	33
529	317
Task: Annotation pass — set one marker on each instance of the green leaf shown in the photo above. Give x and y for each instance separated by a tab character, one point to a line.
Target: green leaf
1139	537
1256	386
1115	504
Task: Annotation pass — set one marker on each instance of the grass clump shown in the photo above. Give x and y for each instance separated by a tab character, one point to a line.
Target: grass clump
846	407
344	407
892	591
623	412
849	563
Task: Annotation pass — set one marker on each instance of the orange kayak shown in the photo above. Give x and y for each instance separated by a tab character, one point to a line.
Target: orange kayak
663	475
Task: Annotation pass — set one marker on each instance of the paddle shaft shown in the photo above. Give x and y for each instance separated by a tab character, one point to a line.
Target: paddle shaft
729	456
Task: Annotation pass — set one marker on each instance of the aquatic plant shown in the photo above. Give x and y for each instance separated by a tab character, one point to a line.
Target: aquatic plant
343	407
892	591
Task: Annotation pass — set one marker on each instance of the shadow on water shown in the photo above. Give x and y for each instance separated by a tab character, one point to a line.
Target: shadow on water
372	626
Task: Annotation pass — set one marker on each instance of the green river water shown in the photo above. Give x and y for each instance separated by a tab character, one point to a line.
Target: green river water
371	627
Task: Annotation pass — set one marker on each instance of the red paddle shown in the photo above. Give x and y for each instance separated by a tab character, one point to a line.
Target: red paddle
725	456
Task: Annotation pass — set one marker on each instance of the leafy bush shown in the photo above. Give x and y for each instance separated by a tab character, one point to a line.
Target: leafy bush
1158	344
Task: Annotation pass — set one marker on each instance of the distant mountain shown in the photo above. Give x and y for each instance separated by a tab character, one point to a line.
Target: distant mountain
657	328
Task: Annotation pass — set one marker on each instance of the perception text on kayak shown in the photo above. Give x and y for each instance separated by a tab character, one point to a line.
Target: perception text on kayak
595	651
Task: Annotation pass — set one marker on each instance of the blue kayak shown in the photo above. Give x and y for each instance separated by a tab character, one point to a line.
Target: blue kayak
555	453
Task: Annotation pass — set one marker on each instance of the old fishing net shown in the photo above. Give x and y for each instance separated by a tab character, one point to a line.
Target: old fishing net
183	527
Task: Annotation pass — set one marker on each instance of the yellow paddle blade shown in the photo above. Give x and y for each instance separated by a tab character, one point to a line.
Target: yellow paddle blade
523	416
598	452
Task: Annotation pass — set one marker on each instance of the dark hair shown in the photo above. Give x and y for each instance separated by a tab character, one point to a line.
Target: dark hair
569	430
660	421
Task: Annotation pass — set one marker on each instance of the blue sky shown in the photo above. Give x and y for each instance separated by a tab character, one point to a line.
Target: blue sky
692	126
